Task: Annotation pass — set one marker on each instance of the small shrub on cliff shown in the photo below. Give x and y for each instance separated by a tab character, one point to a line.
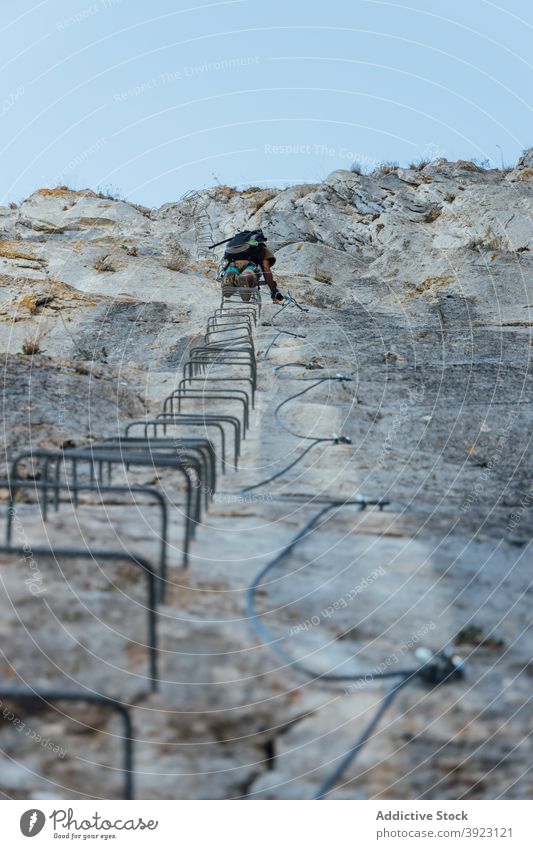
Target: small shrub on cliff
32	344
432	215
104	263
420	165
387	168
488	242
109	193
178	258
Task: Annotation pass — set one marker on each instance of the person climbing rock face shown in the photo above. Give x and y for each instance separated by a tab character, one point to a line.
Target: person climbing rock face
246	256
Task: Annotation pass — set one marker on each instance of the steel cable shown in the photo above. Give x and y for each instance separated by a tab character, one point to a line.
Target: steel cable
329	783
334	439
434	668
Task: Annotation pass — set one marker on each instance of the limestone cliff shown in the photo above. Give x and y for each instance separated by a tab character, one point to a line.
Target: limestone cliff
418	285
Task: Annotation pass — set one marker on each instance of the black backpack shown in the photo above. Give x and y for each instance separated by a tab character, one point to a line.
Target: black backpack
245	245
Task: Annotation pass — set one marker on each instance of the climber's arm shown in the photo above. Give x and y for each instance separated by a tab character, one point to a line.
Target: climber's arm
269	277
267	262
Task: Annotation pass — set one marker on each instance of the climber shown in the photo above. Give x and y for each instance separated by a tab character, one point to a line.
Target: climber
246	256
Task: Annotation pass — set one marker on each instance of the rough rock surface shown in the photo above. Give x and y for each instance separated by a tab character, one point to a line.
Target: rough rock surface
418	287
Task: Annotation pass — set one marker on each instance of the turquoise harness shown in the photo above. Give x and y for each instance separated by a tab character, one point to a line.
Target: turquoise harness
251	265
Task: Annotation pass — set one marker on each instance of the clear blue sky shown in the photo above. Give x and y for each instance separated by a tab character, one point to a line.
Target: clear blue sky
157	98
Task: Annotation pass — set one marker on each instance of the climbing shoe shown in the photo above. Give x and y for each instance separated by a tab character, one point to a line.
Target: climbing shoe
229	281
243	284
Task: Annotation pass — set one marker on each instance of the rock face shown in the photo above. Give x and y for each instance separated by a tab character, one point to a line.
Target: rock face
417	288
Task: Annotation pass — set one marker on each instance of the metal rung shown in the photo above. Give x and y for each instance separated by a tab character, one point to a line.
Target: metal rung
122	557
47	696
